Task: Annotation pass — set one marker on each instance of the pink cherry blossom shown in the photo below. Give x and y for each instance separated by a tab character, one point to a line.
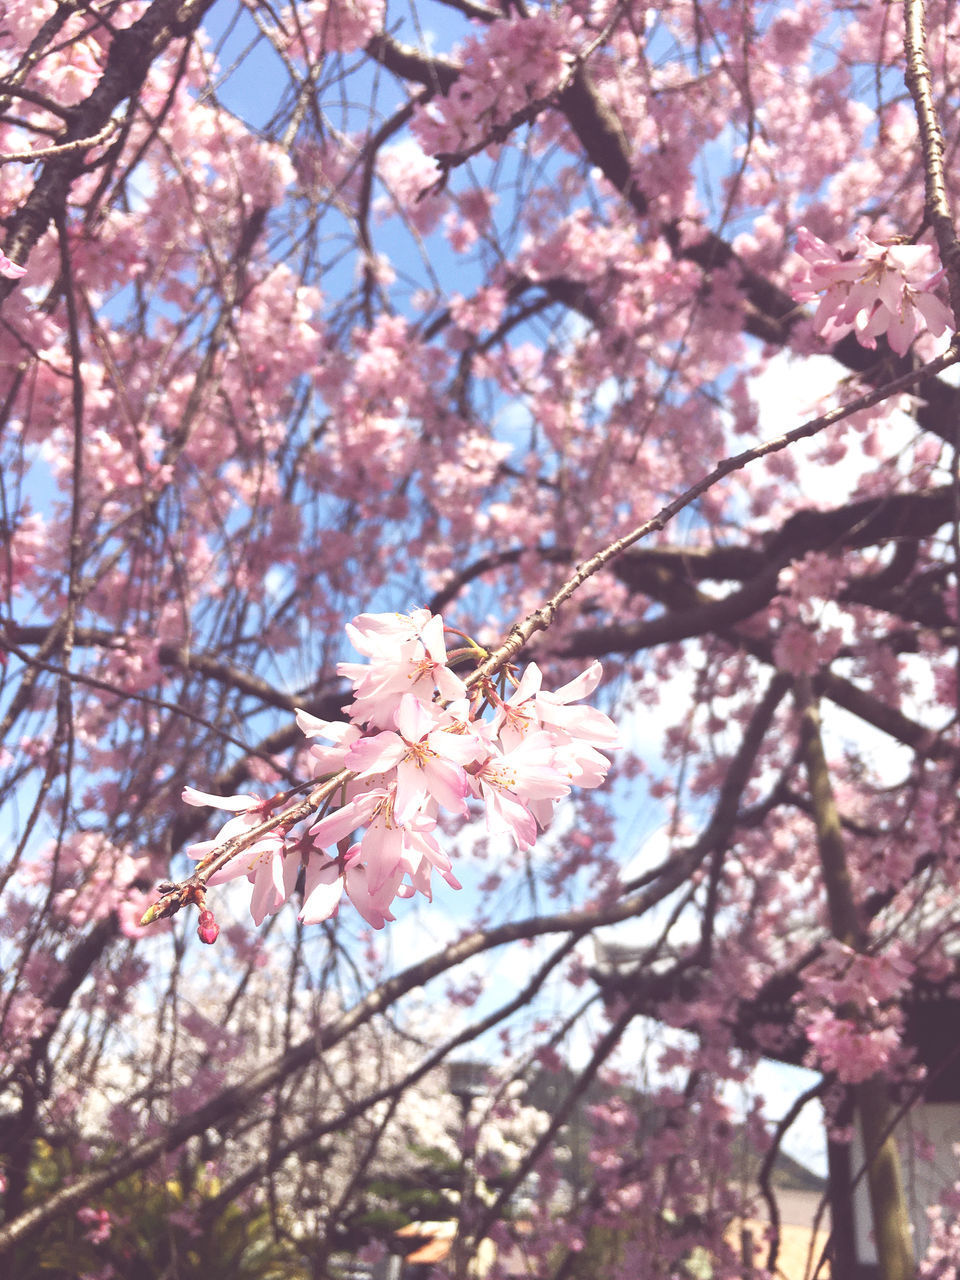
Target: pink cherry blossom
341	822
389	845
343	735
428	758
250	810
880	289
327	25
326	882
322	889
273	873
585	723
531	706
373	905
514	784
407	655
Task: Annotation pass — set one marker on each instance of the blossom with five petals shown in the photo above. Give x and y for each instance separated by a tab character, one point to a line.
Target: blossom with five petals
427	755
515	784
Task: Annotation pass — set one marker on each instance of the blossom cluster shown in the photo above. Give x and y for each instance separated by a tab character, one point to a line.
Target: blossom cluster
851	1011
883	288
418	740
513	63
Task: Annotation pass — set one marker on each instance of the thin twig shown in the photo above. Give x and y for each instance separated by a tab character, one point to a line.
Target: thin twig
62	148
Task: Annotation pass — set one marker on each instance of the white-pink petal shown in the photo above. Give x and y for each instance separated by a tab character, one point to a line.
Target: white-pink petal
343	822
377	754
374	906
322	889
580	687
237	804
273	882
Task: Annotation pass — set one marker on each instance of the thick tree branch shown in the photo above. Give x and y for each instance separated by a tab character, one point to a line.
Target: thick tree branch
541	619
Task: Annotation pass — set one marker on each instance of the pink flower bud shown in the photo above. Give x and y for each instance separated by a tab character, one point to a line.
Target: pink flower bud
207	928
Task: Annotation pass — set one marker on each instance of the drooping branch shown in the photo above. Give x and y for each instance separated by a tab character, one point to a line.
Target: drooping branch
237	1099
179	657
439	1055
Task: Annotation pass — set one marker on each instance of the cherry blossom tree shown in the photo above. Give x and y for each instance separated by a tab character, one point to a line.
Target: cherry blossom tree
490	343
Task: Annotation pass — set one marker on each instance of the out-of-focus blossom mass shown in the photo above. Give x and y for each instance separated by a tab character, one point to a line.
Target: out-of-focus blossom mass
882	288
419	740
